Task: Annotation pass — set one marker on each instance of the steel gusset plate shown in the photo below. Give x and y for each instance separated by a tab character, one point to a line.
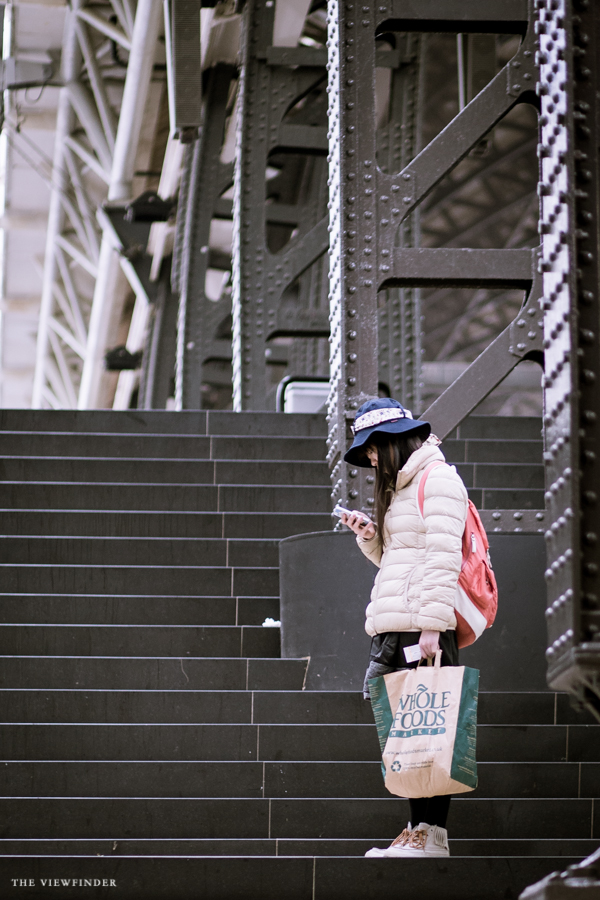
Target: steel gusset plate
368	206
569	32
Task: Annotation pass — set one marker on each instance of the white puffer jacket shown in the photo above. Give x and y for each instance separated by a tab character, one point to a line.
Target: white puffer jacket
416	585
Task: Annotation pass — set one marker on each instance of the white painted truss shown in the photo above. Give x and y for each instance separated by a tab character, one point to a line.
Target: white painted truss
108	132
104	137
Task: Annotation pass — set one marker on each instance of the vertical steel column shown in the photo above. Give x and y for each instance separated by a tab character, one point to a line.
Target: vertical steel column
354	227
158	363
569	31
272	81
208	179
399	308
249	288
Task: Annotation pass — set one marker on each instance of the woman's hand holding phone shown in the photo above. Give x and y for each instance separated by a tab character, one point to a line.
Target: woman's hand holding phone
359	524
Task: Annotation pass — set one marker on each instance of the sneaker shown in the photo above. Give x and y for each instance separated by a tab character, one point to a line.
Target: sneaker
400	841
424	841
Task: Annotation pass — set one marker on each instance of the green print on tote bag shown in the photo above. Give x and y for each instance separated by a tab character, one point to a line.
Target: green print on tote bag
426	720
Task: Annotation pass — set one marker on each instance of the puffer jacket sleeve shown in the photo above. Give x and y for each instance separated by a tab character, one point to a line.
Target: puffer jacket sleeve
445	513
371	549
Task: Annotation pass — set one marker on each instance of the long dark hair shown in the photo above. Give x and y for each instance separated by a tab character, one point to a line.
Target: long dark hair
393	451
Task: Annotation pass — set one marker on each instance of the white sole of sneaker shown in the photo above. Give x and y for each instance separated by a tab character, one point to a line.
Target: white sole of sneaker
416	854
375	853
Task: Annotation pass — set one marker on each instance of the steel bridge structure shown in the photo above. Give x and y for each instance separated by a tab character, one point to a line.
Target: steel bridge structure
366	191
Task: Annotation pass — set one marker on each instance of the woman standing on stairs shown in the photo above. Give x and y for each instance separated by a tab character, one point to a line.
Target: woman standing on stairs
419	560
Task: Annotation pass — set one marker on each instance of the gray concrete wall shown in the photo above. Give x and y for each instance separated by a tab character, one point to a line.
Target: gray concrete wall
325	586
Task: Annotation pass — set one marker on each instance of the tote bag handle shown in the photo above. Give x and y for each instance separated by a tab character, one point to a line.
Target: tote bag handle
430	661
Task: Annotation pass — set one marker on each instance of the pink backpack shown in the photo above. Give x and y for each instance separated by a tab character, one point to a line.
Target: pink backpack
477	591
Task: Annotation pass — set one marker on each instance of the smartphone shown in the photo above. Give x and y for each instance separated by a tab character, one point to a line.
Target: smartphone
339	511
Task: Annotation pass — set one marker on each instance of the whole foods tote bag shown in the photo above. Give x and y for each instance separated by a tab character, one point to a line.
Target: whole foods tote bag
426	721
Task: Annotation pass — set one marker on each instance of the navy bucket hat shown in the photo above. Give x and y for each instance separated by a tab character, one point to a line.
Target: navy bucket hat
377	416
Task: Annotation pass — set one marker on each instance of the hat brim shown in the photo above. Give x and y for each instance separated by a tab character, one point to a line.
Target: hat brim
355	455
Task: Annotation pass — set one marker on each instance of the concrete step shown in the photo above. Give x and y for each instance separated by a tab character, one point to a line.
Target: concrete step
182	580
529	708
364	779
310	743
266	495
266	423
499	428
151	446
168	497
258	707
81	609
268	448
139	551
476	450
289	472
515	476
191	422
501	475
507	498
104	445
321	847
186	707
308	878
154	674
67	579
154	523
281	780
139	640
199	423
373	819
163	471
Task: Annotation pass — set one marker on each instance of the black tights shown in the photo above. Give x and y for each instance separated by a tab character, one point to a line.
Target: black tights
433	810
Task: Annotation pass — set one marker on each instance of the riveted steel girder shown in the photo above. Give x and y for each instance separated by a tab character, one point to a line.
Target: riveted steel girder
569	35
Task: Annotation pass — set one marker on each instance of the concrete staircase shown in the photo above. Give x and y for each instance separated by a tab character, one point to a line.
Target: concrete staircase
500	461
152	734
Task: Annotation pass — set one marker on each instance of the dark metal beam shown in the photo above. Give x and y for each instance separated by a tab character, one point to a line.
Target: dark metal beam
207	177
457	16
157	378
460	268
315	57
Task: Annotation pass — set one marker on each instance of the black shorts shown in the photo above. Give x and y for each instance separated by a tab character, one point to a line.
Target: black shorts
388	648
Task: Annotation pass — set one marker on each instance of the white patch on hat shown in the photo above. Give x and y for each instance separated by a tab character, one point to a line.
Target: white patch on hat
379	416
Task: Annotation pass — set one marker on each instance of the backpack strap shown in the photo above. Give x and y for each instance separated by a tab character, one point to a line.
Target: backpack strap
421	488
